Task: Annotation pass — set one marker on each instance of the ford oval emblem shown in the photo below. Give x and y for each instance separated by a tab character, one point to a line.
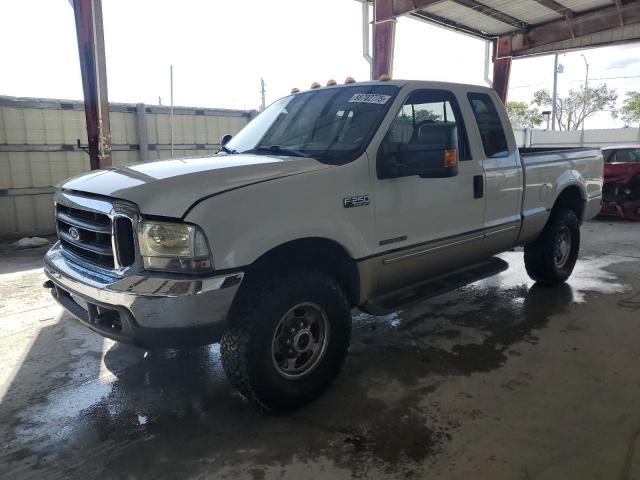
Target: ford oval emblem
75	234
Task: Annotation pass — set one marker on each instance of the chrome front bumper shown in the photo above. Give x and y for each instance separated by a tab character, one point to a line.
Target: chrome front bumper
146	309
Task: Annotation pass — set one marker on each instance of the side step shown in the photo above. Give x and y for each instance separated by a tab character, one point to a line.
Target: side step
435	286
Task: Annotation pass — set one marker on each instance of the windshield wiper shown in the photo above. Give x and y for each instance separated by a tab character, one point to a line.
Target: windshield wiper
278	150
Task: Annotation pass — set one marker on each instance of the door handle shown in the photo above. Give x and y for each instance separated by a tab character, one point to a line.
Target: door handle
478	186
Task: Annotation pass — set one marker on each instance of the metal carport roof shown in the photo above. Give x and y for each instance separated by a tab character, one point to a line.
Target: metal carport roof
517	28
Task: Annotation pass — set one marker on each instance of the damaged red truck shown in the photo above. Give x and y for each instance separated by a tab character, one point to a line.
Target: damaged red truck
621	189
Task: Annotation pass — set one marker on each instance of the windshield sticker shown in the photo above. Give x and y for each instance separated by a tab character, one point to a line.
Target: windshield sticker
370	98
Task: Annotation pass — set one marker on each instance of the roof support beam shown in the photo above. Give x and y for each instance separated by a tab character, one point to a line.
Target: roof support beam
402	7
384	27
450	24
88	14
501	75
556	7
493	13
519	44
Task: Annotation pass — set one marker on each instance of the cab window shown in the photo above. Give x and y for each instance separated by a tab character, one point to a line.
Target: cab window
491	130
424	116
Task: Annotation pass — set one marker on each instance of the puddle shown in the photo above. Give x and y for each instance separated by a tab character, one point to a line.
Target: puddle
589	275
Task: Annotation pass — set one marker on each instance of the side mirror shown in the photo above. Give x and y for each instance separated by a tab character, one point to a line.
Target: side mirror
225	139
432	152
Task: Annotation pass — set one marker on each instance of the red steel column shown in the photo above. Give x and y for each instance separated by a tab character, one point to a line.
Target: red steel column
501	74
384	26
88	14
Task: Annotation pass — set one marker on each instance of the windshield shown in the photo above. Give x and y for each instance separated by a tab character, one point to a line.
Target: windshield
331	125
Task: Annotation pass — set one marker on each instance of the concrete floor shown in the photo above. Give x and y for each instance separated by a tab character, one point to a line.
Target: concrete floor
501	379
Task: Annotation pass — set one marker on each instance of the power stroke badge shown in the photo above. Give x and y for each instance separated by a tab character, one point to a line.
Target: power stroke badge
355	201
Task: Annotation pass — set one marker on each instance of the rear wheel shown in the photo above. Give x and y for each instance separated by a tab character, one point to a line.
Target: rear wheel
551	258
287	340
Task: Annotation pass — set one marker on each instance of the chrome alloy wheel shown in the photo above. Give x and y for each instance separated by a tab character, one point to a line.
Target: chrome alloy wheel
300	340
562	247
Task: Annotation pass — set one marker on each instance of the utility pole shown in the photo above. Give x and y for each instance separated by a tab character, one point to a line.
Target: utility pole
584	99
171	108
262	92
555	93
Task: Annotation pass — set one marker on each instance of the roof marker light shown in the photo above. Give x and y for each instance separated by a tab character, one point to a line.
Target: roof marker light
315	85
384	77
295	90
349	80
331	82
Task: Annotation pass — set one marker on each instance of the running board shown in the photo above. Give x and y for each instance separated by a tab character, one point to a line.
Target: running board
433	287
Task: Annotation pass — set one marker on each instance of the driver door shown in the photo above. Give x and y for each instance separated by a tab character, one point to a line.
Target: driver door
425	225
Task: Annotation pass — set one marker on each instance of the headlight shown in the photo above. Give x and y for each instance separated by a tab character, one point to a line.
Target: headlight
175	247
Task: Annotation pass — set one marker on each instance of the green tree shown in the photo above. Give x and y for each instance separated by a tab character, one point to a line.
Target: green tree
522	115
578	105
631	109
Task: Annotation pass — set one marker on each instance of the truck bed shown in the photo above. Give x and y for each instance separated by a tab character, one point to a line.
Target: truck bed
546	171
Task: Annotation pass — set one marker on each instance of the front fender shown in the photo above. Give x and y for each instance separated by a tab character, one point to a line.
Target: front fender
243	224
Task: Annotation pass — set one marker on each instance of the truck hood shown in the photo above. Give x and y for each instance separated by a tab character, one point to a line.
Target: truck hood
169	187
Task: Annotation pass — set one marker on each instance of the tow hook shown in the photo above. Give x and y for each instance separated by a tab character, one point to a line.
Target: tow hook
48	284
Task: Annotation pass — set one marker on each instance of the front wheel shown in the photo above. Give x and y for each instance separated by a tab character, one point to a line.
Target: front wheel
287	340
551	258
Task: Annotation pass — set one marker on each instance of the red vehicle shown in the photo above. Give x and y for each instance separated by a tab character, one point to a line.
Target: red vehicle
621	189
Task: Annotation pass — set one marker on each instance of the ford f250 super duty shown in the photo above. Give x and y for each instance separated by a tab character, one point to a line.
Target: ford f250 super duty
370	195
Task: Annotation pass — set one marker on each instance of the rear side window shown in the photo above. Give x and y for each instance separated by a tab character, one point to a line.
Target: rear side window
492	133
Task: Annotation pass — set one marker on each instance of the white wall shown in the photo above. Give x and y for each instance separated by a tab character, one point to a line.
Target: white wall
527	137
38	148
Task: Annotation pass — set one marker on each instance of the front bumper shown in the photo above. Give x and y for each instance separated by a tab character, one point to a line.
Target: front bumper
146	309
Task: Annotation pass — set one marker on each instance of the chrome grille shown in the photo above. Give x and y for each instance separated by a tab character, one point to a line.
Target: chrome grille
104	238
87	234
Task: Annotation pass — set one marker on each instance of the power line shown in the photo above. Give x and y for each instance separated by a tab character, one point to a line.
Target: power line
613	78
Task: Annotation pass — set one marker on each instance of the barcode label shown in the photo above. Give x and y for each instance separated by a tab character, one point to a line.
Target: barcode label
370	98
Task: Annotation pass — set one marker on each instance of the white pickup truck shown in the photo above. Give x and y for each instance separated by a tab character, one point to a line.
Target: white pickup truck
370	195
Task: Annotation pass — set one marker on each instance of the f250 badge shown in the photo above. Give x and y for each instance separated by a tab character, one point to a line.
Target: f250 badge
355	201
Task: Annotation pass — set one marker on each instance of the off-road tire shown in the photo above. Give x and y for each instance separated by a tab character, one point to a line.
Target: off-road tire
246	346
539	256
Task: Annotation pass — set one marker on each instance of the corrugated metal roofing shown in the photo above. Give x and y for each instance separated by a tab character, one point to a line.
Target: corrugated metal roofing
468	16
584	5
502	18
531	12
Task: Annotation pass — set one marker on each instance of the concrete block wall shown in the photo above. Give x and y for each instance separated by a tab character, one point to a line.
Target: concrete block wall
38	148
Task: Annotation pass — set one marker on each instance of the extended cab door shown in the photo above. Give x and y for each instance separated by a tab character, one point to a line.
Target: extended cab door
425	224
503	174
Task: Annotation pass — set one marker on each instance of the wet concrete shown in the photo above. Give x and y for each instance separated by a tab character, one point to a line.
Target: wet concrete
499	379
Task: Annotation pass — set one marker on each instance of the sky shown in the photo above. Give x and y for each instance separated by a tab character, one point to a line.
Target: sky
220	49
